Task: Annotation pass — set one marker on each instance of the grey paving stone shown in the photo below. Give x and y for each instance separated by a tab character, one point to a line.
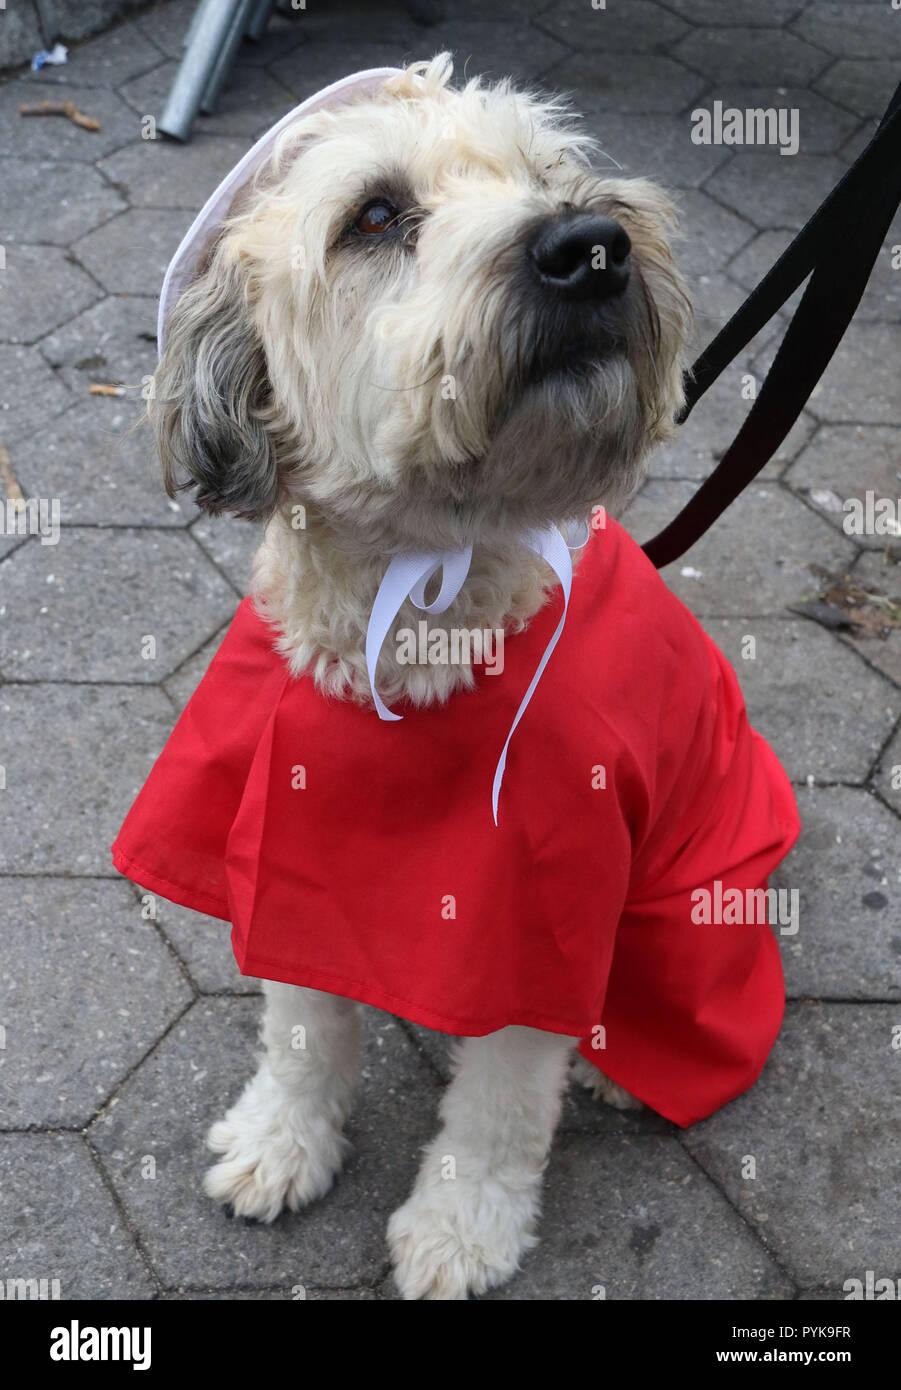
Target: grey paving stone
754	561
114	342
89	16
846	869
58	1221
822	126
164	1110
864	85
99	460
184	681
737	13
658	147
773	191
884	651
846	461
700	442
232	544
822	1126
53	202
41	287
888	774
32	393
129	255
298	1294
49	631
88	987
636	1219
166	174
821	708
21	31
584	1114
861	382
105	61
773	56
639	27
309	67
633	83
757	258
75	759
851	31
204	944
251	101
55	137
349	21
710	233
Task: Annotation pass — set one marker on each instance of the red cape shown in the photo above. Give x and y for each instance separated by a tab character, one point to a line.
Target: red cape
360	857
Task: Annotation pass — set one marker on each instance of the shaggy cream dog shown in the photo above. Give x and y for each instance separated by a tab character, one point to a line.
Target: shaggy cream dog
430	320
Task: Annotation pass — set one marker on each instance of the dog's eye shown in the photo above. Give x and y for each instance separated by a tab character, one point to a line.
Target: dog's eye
377	217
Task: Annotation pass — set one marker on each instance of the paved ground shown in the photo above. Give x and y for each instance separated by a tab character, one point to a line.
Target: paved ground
125	1037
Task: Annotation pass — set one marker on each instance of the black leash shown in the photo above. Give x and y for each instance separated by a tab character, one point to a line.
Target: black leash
837	248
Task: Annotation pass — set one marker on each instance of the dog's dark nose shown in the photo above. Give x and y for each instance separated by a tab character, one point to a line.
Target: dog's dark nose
581	256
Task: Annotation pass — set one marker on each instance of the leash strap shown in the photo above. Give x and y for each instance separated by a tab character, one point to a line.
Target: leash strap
837	248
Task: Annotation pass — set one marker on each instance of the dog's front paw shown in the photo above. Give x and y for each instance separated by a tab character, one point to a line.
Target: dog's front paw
461	1235
602	1088
275	1155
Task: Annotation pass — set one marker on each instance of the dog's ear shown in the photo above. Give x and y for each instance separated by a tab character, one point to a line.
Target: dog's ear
210	401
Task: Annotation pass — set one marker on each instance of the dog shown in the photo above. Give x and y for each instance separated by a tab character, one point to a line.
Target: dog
428	322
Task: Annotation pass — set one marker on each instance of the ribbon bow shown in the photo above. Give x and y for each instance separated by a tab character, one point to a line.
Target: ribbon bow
407	576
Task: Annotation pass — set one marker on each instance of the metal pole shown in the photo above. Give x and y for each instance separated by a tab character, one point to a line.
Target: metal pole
226	55
211	28
259	19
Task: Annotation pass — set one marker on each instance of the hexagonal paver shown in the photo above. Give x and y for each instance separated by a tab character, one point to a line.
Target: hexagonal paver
822	1126
862	84
88	988
165	1109
773	56
55	137
888	773
754	560
184	681
114	342
883	650
638	27
842	462
657	147
309	67
231	543
99	460
142	584
58	1221
846	870
824	711
771	190
167	27
701	440
204	944
822	126
54	202
851	30
129	255
32	393
166	174
634	82
251	101
41	287
75	757
650	1225
105	61
710	233
737	13
861	382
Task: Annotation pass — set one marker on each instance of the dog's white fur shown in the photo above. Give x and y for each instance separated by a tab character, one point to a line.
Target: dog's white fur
406	393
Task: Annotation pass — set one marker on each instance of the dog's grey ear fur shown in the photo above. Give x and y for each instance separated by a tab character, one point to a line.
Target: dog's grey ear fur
211	401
